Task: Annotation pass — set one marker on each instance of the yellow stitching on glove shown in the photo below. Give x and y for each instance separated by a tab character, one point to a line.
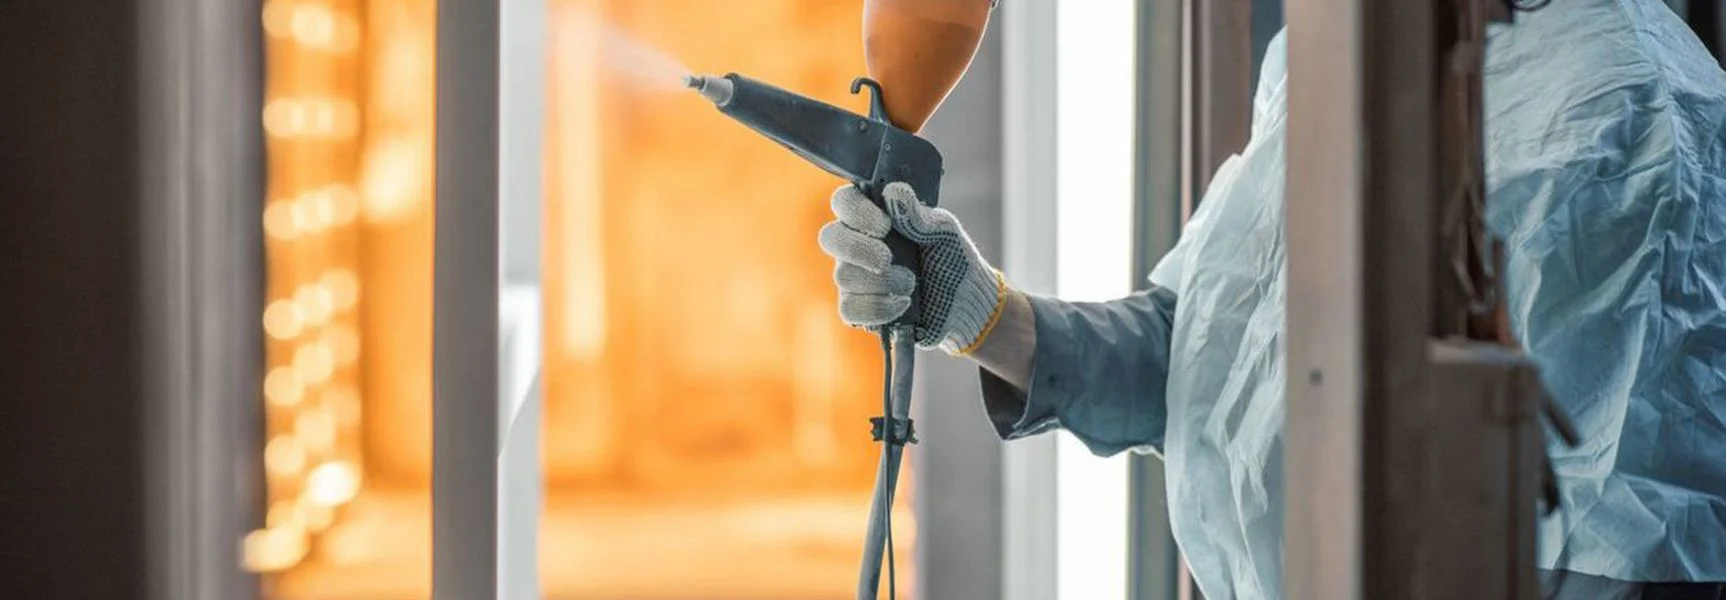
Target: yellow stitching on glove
994	317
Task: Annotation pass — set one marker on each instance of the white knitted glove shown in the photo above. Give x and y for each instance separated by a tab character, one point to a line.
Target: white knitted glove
961	294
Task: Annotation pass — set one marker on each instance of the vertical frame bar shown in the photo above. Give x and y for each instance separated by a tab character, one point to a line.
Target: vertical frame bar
1327	168
1028	241
465	303
1153	571
201	257
1719	29
958	493
521	160
1219	86
75	314
1157	218
1400	116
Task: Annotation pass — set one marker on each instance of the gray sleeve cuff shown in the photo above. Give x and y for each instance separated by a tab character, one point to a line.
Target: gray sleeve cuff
1100	370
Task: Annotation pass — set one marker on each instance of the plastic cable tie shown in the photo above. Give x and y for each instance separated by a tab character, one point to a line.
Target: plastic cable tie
904	432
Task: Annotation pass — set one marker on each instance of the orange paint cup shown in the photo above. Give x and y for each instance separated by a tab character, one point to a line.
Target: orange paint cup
918	50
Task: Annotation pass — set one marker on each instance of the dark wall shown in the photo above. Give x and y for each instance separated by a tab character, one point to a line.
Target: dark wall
1710	24
71	510
1267	21
1707	20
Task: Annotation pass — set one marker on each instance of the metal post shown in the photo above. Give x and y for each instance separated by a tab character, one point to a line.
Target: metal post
1323	535
201	256
522	95
958	493
1153	567
1219	103
465	303
1028	241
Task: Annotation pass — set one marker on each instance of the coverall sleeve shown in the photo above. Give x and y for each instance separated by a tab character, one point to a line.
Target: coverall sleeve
1100	370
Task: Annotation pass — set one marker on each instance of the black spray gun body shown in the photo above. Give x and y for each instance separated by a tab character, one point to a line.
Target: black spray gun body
870	152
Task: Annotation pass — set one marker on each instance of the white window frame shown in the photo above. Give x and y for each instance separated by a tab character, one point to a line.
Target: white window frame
1093	256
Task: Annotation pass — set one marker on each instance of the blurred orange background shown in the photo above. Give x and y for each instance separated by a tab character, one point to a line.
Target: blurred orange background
705	430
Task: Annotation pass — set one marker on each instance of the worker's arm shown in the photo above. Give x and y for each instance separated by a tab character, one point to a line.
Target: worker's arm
1097	369
1010	349
1100	370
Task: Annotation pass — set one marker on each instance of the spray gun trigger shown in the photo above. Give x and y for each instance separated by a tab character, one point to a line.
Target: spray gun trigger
877	105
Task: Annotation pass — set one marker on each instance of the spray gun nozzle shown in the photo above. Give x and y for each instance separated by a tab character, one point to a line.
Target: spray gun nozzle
717	90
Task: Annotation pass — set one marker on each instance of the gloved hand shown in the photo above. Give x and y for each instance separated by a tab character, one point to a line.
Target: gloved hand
961	295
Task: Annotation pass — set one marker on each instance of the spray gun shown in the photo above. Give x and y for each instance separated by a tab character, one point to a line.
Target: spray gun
870	152
916	51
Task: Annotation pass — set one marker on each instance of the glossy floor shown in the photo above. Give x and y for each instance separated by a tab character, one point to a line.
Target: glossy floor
620	548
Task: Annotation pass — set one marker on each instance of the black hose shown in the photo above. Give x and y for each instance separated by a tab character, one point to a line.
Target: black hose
886	447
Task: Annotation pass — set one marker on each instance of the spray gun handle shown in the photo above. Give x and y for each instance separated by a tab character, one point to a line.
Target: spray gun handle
902	158
909	255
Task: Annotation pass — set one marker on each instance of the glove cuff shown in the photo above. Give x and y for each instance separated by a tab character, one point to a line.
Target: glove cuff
985	297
